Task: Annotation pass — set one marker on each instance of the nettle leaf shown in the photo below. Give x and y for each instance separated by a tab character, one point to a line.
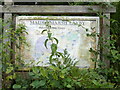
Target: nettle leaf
54	48
42	82
55	76
69	86
31	74
68	79
114	52
35	84
49	35
50	58
35	70
55	39
46	42
53	68
44	73
43	31
16	86
96	82
62	75
55	83
118	55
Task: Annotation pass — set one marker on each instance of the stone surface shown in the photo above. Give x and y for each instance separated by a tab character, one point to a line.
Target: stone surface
69	30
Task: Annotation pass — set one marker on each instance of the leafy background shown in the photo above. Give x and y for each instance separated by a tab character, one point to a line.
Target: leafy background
63	74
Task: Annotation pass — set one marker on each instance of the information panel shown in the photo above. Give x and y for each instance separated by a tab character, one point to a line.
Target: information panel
73	33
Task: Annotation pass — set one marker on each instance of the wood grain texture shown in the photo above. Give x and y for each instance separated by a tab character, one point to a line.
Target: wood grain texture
54	9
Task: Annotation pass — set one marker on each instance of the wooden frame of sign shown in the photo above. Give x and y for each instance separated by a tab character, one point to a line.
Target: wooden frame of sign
8	9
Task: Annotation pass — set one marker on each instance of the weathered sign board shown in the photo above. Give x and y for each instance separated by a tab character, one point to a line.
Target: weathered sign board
76	42
71	31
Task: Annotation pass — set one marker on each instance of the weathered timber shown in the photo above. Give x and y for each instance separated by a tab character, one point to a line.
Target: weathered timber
61	0
0	52
105	35
1	8
55	9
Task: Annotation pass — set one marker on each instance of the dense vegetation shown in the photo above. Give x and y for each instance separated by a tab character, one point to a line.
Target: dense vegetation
62	72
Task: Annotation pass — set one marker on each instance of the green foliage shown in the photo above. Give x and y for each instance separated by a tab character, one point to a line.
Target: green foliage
57	58
37	83
57	78
111	46
62	73
9	38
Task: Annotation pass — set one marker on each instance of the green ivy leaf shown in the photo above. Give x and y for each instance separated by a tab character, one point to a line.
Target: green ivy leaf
16	86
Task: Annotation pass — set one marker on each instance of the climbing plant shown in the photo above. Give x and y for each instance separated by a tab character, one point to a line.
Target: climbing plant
9	39
62	72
